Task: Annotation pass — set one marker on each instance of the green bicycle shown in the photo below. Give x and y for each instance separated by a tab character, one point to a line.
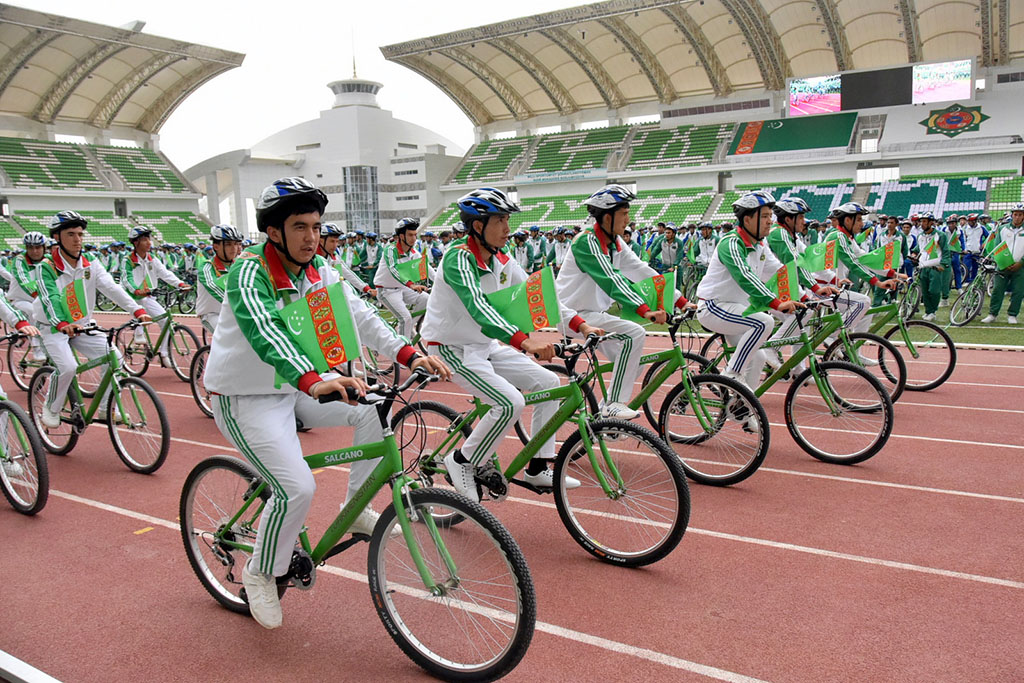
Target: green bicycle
22	363
379	366
182	346
971	300
460	603
633	504
836	411
134	414
24	476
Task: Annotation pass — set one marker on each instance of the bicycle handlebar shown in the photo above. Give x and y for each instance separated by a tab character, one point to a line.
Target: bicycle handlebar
375	393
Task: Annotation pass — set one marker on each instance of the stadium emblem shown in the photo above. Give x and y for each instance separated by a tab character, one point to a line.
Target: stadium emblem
953	120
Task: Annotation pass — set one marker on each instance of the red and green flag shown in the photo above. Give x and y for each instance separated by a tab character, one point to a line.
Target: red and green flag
954	243
994	240
74	299
654	291
864	235
785	284
691	251
886	257
531	305
820	256
1002	255
414	270
321	325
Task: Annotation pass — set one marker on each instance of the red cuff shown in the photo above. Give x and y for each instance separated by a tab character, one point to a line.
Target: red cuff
409	283
805	298
681	302
405	356
21	324
775	304
815	288
575	323
138	292
366	289
139	313
874	281
517	340
61	325
891	274
643	310
307	381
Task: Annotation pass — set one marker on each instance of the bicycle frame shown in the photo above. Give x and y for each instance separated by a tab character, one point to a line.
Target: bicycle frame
113	362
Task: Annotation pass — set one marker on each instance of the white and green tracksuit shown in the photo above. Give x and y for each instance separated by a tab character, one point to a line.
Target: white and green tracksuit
394	291
24	290
596	274
856	304
144	272
54	276
210	294
468	330
736	279
250	348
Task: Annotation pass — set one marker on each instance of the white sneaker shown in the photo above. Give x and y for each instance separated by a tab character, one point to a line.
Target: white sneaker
988	319
261	591
619	411
944	303
1012	320
367	521
929	316
546	478
13	469
37	355
462	477
165	360
867	361
49	419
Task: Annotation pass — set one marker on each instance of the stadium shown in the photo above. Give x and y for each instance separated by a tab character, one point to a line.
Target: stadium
904	565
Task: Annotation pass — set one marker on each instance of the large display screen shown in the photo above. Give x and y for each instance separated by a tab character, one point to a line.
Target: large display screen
943	82
882	88
818	95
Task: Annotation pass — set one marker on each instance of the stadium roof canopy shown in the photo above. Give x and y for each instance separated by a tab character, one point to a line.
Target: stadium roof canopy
56	69
621	52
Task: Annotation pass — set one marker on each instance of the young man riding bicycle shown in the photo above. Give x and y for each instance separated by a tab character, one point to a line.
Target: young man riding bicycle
24	289
227	245
262	382
397	293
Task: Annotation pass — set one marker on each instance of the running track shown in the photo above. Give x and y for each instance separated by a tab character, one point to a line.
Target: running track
907	566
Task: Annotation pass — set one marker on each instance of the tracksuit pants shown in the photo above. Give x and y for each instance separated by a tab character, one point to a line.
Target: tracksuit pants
26	309
932	282
209	321
747	333
153	309
856	306
262	428
624	346
59	346
400	301
971	262
497	375
1014	282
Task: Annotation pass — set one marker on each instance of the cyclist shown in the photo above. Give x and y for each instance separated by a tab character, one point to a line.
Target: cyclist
1011	234
933	260
330	238
56	276
975	234
395	292
16	319
956	247
252	345
706	246
599	270
540	246
24	289
372	253
227	245
884	238
466	329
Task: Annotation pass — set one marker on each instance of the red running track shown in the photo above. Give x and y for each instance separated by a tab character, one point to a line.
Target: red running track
907	566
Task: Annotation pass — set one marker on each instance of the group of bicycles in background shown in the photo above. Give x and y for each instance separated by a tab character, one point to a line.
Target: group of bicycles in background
628	503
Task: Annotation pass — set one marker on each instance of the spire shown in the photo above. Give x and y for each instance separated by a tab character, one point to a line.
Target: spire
353	29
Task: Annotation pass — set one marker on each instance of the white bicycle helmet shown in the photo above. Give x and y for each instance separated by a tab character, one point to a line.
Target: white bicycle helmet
66	219
34	239
752	201
225	233
282	191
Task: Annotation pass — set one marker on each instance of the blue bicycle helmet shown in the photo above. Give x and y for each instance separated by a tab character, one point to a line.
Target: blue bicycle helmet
282	192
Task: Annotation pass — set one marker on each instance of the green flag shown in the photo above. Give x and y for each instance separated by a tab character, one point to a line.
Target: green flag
820	256
886	257
785	283
864	235
653	290
74	299
691	251
1002	255
992	241
356	260
954	243
530	305
414	270
321	325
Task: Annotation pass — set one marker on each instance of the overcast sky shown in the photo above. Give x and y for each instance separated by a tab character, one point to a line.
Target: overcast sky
292	51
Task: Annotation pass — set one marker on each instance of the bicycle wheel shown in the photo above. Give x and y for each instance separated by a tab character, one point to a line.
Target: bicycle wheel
910	303
695	364
61	439
134	357
928	351
857	426
24	476
712	346
718	428
138	427
182	347
477	621
379	367
89	381
195	374
214	491
967	306
522	425
884	361
645	515
19	363
187	301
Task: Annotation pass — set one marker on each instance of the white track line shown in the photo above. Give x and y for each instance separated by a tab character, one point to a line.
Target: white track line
553	629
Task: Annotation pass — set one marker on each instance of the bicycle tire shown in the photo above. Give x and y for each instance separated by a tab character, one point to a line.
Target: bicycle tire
566	429
24	475
696	364
891	366
423	624
18	362
379	367
204	507
187	301
139	417
911	302
195	373
135	361
735	449
180	350
862	397
712	344
943	353
967	306
58	440
590	516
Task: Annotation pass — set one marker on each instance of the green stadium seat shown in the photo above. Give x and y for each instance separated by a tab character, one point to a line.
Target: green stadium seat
491	160
654	147
40	164
940	194
578	150
142	170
